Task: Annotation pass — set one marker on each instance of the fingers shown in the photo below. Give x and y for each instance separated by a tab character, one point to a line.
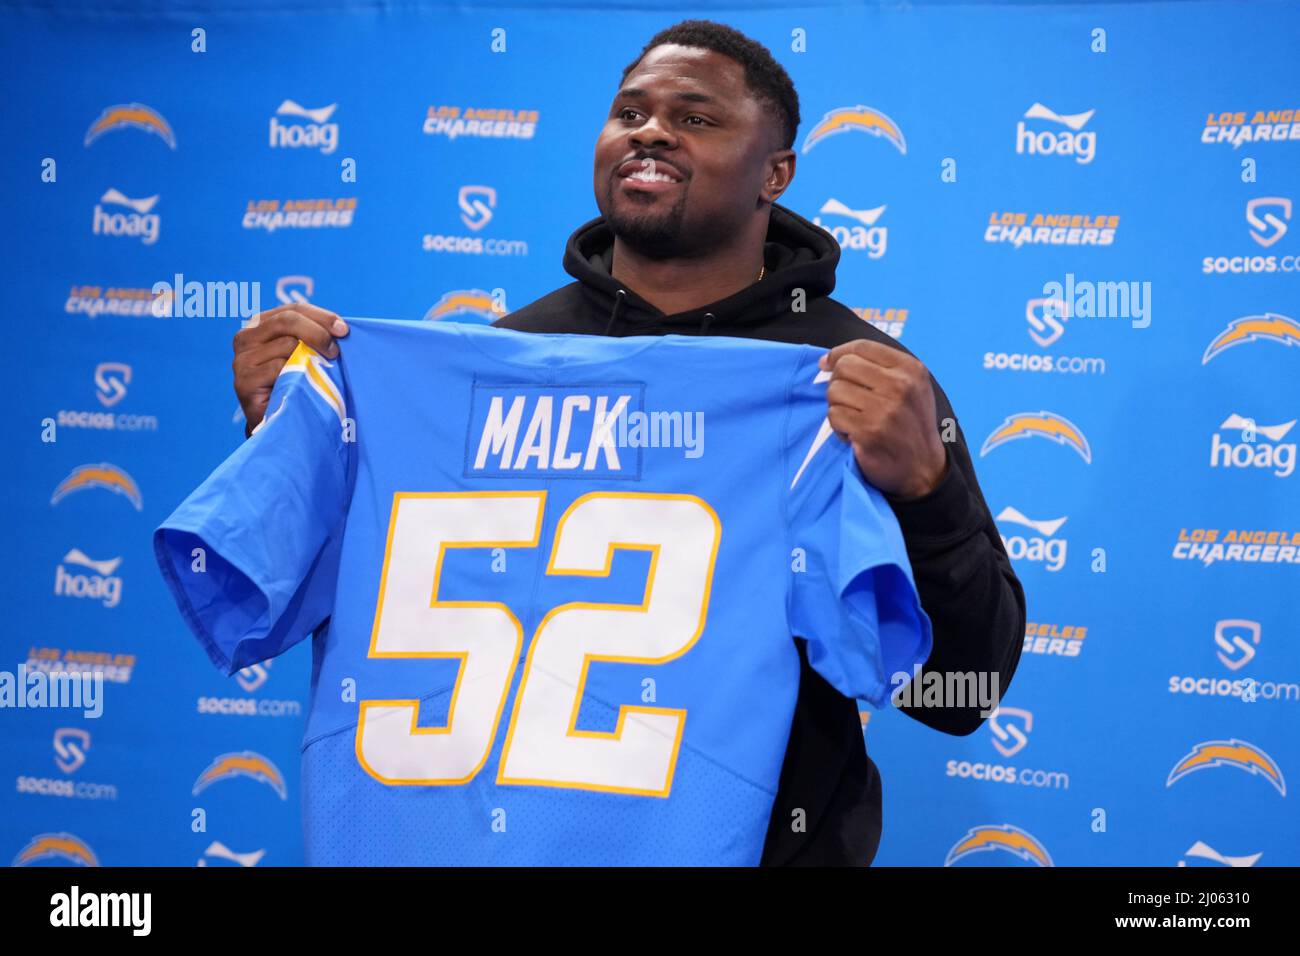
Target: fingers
877	353
850	396
263	346
316	327
844	420
865	373
858	368
274	353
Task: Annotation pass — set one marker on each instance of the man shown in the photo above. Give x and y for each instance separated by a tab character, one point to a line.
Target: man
693	156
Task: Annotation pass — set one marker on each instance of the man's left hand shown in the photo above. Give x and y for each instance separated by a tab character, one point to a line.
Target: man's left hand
881	402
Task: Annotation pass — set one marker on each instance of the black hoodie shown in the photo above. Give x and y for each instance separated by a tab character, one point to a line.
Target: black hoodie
965	580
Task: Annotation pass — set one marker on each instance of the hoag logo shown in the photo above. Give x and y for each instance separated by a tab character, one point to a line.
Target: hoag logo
1261	446
100	584
139	223
1073	140
1043	548
864	236
304	128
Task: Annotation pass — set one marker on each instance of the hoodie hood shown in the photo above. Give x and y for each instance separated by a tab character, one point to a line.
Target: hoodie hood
797	254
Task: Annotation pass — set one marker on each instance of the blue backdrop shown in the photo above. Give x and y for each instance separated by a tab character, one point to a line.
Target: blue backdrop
430	161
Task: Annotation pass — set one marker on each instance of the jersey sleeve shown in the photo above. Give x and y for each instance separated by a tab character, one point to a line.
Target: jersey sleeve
251	556
852	595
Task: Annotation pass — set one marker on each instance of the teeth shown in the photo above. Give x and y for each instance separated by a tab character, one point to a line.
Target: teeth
648	177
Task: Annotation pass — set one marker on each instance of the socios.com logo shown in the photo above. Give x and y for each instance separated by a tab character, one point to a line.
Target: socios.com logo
292	290
1265	227
111	380
1010	727
1004	838
70	746
1267	221
1237	639
1046	318
476	205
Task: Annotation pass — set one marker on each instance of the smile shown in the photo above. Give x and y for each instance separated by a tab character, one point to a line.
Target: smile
646	176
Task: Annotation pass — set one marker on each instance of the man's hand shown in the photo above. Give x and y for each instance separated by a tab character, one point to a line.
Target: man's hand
265	344
881	401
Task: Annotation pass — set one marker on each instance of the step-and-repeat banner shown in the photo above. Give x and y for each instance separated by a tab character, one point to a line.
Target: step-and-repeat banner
1081	218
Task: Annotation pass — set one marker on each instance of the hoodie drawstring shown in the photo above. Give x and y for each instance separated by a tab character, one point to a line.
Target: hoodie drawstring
613	315
705	323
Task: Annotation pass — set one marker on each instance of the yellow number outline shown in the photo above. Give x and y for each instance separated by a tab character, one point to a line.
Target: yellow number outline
460	656
624	709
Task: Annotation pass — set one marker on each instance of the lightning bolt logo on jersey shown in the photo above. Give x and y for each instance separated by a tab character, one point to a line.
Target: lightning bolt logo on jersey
569	646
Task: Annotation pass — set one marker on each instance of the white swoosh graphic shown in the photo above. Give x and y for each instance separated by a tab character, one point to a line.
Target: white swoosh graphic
319	115
1075	121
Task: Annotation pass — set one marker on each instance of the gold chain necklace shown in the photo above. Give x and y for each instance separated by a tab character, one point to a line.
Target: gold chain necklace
761	270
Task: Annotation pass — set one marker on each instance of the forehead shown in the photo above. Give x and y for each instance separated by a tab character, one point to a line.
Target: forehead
672	69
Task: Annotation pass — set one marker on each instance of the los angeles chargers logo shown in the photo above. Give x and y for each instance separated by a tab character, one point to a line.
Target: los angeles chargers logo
862	119
1006	837
56	846
103	475
246	764
1039	425
1229	753
466	304
131	116
1269	327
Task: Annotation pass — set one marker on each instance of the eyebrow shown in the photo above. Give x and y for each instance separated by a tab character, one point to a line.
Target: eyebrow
636	92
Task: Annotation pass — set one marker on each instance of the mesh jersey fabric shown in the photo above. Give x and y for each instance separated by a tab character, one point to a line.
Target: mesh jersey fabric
552	583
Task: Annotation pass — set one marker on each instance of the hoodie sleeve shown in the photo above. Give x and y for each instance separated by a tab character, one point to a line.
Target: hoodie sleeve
967	586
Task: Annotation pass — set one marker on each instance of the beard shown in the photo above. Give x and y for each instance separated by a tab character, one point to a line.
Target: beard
650	226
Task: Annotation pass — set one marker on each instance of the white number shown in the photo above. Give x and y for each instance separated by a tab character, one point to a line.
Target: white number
543	745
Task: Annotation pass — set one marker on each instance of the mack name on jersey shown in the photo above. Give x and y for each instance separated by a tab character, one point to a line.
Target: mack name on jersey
559	431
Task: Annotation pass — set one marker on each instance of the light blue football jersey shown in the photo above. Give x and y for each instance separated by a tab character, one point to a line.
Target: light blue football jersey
552	582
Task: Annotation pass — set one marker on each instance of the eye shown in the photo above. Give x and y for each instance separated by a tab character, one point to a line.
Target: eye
702	120
625	109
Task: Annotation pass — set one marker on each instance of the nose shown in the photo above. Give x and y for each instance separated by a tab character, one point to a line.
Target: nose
649	133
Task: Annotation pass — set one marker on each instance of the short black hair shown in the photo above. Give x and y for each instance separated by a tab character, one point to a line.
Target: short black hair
766	78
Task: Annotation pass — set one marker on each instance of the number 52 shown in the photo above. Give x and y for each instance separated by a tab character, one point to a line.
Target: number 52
543	746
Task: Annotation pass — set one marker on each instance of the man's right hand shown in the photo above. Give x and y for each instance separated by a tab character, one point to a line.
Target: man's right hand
265	344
